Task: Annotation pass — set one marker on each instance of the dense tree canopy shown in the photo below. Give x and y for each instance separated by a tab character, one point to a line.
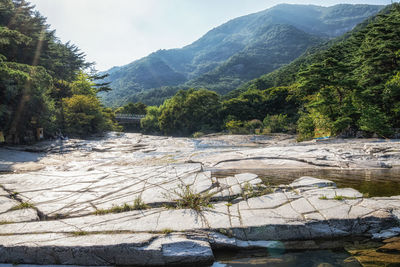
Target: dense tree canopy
345	86
38	74
190	111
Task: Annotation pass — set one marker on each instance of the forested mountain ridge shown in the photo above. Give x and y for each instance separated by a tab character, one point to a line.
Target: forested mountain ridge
225	49
277	45
348	86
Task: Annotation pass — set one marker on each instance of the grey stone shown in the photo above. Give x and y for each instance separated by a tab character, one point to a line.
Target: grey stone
388	233
23	215
311	182
218	240
119	249
77	178
184	251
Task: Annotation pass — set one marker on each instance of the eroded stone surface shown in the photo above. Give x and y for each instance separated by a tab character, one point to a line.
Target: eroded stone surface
79	179
117	249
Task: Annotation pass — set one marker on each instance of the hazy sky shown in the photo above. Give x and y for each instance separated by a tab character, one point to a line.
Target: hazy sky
116	32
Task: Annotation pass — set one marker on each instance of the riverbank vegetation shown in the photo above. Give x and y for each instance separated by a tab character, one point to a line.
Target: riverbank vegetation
43	82
348	87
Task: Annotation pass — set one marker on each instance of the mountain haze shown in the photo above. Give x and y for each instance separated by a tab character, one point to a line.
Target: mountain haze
237	51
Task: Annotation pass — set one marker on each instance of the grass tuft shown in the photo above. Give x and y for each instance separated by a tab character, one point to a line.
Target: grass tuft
186	198
166	231
249	191
79	233
138	204
23	205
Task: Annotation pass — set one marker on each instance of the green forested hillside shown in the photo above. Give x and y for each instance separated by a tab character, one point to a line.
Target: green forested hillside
277	45
42	83
237	51
351	85
348	87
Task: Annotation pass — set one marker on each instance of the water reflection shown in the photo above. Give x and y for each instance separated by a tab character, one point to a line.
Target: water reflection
318	258
379	182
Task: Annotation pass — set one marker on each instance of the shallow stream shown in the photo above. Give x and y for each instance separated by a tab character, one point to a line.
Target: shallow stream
316	258
372	183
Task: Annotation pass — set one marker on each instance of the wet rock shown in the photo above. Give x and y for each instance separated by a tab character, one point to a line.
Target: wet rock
311	182
374	254
184	251
388	233
392	245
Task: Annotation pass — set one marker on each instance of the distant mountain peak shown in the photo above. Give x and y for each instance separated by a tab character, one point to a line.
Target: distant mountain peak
251	45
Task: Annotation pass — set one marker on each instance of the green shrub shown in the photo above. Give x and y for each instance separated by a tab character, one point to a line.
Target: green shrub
374	121
84	115
237	127
198	134
305	128
150	123
276	123
254	124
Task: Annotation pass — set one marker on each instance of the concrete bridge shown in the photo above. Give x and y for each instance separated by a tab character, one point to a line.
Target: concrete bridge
129	118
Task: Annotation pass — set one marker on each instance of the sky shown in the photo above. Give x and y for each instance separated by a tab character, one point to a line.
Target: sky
117	32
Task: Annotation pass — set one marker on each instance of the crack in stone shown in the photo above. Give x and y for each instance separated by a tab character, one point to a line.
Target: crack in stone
278	158
15	197
315	208
240	216
157	221
230	216
290	203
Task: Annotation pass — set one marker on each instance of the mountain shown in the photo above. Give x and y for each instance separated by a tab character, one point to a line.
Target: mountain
349	86
276	46
237	51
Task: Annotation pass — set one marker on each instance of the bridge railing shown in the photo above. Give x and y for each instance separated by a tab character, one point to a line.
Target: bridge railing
129	116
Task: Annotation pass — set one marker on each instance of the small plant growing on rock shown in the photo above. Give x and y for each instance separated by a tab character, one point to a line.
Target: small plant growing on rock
79	233
138	204
166	231
323	198
189	199
249	191
23	205
339	197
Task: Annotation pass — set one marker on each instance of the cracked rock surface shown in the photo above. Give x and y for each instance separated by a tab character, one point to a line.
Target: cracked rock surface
115	201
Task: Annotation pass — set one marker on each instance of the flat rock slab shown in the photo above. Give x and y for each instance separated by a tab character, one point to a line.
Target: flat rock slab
288	215
117	249
57	220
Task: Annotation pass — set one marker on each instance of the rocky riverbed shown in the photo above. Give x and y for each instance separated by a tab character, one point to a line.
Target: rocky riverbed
133	199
